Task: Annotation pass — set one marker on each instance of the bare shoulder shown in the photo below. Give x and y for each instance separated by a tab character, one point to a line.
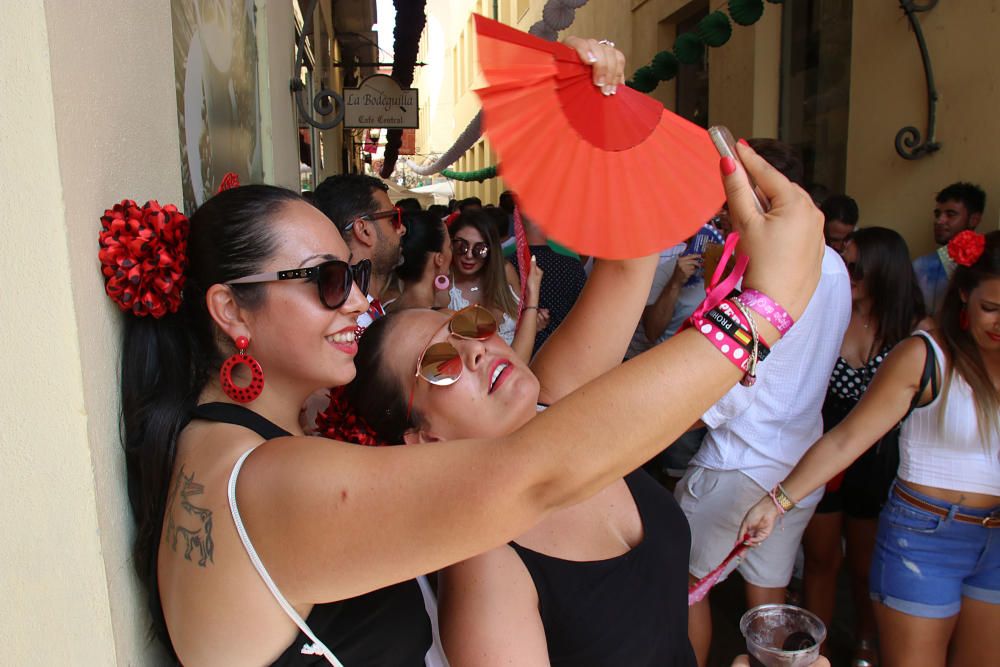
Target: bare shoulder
497	577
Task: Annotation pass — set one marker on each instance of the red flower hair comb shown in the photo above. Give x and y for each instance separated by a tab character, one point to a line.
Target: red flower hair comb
966	247
143	256
229	181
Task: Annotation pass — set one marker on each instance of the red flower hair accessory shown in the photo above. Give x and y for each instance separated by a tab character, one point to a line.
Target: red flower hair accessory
143	256
966	247
341	422
229	181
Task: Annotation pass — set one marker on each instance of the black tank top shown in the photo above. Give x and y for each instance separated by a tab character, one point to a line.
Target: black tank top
386	628
628	610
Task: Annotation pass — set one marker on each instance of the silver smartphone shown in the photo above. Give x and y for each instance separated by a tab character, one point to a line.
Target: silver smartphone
726	145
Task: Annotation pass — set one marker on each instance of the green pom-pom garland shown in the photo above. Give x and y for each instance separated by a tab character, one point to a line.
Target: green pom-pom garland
689	48
644	80
479	175
746	12
715	29
664	65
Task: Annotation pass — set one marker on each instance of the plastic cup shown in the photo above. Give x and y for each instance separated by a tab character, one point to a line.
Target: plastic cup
782	635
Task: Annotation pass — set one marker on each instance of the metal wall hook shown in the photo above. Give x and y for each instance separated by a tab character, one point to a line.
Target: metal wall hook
909	142
326	101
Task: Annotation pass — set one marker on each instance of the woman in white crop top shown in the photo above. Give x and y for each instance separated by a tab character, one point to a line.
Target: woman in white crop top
935	577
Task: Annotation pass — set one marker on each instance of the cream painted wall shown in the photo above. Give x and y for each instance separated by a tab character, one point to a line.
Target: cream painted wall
52	582
888	92
280	131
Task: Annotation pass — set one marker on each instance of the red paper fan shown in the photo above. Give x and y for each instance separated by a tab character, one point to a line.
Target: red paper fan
616	176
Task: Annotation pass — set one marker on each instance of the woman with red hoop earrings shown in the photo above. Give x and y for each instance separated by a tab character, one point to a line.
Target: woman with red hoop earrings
935	574
259	545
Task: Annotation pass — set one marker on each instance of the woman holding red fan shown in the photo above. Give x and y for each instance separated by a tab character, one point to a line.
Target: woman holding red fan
935	574
259	545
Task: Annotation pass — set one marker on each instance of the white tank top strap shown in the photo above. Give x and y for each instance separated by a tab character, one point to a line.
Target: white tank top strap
317	647
940	368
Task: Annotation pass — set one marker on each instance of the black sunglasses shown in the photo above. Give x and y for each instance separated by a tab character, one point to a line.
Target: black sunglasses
334	279
461	247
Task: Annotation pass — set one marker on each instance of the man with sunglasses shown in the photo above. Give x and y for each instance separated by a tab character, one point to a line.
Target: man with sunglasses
359	206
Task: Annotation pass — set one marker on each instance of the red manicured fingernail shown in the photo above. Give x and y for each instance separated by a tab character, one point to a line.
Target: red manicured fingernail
744	142
728	165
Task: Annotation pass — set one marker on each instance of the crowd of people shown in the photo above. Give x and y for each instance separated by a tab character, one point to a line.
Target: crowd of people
508	425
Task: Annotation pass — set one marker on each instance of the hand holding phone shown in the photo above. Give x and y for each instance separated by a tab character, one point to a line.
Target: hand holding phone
726	145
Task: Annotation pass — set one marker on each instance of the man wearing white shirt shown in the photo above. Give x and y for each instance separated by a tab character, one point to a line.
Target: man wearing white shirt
756	436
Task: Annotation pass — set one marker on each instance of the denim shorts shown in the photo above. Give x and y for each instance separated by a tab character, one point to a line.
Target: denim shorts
924	563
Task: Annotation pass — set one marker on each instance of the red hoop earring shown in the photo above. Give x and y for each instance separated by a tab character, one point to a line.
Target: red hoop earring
234	391
963	319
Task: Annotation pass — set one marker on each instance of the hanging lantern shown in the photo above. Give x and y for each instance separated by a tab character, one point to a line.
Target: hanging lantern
664	65
715	29
746	12
689	48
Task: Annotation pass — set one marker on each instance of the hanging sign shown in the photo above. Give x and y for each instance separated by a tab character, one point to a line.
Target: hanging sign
380	102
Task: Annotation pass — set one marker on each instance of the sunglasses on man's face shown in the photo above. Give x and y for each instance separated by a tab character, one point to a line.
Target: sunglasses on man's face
461	248
441	363
334	279
394	215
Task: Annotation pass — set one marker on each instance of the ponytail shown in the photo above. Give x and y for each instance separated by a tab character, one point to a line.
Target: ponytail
169	352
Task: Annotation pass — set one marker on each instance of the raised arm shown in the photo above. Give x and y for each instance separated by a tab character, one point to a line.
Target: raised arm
341	520
527	326
883	405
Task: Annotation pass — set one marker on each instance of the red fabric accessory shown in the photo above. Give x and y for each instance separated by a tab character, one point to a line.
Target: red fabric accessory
963	319
612	176
451	218
340	421
229	181
143	256
523	259
966	247
698	590
234	391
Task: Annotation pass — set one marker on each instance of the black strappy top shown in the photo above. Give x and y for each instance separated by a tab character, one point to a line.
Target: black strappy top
385	628
628	610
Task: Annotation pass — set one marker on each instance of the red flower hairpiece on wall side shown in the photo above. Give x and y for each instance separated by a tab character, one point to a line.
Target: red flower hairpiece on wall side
143	256
229	181
966	247
341	422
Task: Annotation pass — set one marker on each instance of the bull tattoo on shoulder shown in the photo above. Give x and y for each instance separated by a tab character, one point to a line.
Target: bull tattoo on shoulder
187	520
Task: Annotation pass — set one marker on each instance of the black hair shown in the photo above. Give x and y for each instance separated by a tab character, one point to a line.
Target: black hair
897	302
167	362
967	360
409	205
972	196
506	202
425	235
840	207
375	394
500	220
344	197
439	211
783	157
475	202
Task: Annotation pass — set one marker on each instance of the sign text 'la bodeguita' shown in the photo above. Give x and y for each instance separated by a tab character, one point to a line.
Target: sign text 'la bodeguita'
380	102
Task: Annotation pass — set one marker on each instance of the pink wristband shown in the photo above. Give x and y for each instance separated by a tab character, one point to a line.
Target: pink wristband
730	348
765	306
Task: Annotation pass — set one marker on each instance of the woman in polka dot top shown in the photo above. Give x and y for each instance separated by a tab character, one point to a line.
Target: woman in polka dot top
886	307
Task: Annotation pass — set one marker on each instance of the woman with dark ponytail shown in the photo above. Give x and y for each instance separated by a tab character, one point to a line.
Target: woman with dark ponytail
935	573
260	545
